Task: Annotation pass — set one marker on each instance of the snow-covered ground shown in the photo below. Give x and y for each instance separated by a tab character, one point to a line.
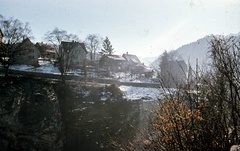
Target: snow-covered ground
141	93
130	92
128	77
137	93
45	67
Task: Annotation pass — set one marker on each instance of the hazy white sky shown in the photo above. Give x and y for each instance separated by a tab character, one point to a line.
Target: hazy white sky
142	27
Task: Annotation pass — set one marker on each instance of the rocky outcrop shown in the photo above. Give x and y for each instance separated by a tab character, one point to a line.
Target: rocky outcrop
30	117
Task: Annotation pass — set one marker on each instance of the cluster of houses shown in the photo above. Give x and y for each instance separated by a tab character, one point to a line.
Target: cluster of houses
125	63
29	53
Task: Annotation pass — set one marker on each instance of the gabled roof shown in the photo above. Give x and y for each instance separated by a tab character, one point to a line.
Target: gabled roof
25	43
116	57
72	45
132	58
43	45
83	46
27	40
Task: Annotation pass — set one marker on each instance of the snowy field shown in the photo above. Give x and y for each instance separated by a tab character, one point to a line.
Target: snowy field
128	77
130	92
141	93
45	67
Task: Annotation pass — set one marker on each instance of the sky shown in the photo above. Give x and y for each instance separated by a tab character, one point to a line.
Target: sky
142	27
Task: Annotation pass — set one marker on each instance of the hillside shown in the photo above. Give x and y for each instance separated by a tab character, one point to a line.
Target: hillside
196	50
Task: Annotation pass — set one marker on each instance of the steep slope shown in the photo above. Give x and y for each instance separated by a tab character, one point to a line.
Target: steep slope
198	50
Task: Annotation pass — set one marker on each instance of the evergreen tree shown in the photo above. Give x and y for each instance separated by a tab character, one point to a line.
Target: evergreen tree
164	69
107	47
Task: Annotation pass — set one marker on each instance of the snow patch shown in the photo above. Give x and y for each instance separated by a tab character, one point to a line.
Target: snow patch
140	93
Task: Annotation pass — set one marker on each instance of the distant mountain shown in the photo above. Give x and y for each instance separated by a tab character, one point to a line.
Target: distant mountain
198	50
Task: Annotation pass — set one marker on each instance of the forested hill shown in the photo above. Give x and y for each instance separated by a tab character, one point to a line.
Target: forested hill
198	50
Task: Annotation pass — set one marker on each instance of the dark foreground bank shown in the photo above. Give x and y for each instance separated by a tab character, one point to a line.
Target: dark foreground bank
44	115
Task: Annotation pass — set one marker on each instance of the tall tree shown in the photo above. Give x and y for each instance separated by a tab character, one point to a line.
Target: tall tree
164	60
171	71
107	47
55	37
14	31
164	69
92	42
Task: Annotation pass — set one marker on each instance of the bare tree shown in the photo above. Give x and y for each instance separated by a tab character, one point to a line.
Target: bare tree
207	116
56	36
14	31
92	42
64	57
226	58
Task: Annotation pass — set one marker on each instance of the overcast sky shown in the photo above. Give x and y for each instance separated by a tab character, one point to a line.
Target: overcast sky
142	27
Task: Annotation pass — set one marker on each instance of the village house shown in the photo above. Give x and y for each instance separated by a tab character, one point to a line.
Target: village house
75	53
114	63
22	53
26	53
46	51
135	66
125	63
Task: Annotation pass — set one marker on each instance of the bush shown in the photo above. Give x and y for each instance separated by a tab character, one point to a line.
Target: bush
206	114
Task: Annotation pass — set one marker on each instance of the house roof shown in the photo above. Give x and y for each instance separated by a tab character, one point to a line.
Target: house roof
116	57
72	45
27	41
131	58
25	45
143	68
43	45
83	46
